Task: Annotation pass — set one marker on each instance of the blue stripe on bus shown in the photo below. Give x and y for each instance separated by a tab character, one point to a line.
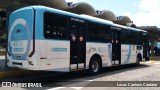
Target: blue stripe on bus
132	44
18	49
59	49
129	55
110	51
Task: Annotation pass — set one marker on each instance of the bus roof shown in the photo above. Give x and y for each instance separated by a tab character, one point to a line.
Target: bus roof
96	19
83	16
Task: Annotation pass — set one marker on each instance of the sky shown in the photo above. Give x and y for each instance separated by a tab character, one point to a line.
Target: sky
141	12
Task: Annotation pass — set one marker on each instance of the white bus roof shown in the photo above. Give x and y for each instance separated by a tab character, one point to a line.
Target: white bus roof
95	18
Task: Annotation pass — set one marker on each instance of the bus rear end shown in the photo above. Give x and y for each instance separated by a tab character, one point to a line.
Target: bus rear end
21	40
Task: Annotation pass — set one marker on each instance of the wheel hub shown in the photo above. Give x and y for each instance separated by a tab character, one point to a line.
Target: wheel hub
95	66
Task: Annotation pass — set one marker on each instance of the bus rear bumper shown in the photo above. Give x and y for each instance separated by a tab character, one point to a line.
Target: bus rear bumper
21	64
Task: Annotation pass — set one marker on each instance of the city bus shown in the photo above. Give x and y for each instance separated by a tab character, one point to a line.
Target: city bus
47	39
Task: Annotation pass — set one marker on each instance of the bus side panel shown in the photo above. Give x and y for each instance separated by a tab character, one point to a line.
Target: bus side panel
127	54
133	54
103	50
58	55
41	44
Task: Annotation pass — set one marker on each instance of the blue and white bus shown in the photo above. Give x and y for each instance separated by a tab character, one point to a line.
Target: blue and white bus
43	38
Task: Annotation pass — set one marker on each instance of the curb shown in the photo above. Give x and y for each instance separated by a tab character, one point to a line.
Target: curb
151	62
2	57
6	74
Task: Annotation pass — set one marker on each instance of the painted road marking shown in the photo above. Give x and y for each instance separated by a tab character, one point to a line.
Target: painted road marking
70	86
146	62
157	63
77	88
57	88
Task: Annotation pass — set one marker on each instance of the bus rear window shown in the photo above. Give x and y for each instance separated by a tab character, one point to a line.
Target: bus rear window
55	26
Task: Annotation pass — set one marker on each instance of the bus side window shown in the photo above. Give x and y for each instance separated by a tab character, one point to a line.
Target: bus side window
96	32
125	37
92	32
48	30
108	36
55	26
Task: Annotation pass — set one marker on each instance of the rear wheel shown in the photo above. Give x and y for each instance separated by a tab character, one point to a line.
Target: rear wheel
138	59
94	66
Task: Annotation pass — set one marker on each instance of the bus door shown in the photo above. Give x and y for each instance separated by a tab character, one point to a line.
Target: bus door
116	48
77	44
146	48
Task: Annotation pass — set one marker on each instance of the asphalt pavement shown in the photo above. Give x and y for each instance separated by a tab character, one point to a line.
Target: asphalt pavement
147	71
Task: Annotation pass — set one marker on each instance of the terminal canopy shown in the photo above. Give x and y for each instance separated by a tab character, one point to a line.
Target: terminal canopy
106	14
150	29
82	8
123	20
59	4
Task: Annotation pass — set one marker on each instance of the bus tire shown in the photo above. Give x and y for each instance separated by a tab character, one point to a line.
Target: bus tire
94	66
138	60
